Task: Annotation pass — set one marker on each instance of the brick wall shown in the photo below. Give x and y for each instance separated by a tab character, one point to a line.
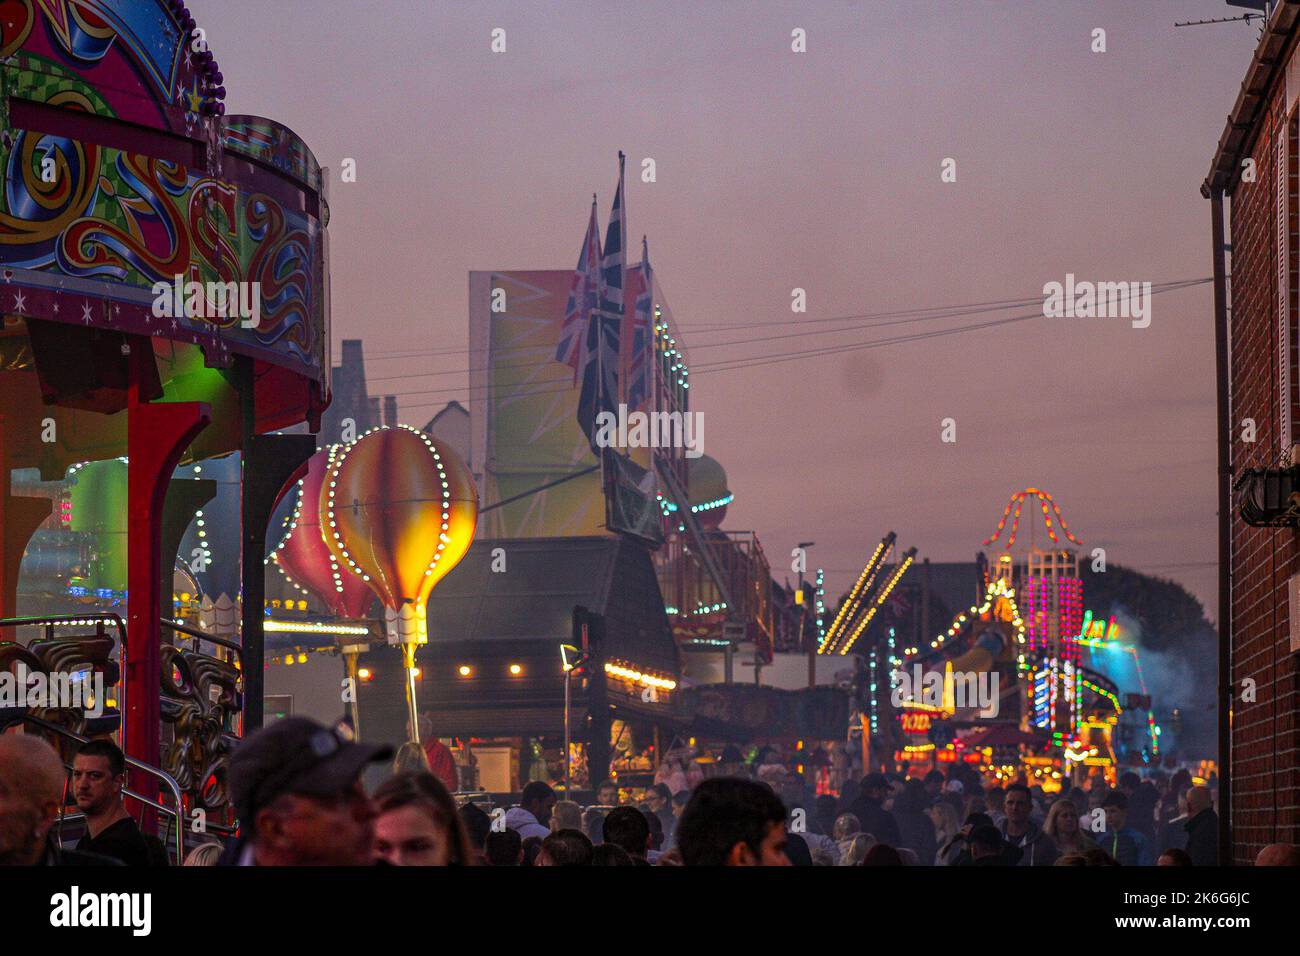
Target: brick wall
1266	790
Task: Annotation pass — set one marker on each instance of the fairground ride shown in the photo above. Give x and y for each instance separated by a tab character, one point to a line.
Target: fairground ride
134	215
1011	691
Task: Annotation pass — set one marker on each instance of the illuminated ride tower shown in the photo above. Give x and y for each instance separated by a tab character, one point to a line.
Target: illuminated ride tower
1051	602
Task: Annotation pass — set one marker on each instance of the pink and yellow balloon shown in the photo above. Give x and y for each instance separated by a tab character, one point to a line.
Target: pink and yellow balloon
304	555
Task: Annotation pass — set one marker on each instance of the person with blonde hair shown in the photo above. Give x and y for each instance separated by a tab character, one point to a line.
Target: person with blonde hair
857	848
566	815
411	758
946	824
205	854
846	827
1062	825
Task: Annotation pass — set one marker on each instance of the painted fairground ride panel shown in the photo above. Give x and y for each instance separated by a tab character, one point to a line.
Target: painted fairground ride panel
115	183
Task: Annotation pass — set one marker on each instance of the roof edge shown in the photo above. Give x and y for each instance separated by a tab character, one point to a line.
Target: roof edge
1243	122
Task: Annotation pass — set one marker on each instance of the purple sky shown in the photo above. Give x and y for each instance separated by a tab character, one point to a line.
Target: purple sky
817	170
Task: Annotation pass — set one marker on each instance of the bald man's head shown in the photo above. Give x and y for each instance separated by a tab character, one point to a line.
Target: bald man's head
31	789
1198	799
1279	854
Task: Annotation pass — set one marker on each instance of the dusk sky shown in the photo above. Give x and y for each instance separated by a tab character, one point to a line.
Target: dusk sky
819	170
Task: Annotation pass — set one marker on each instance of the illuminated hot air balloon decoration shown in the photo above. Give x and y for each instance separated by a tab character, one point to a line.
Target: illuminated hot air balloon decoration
399	509
305	558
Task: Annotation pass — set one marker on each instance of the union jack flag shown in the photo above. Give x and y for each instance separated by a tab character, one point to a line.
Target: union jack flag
583	298
600	372
638	381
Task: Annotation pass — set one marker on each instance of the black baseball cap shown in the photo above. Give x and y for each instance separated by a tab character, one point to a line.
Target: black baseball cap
299	756
875	781
985	835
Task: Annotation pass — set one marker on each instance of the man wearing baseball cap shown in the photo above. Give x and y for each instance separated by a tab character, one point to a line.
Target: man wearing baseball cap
296	787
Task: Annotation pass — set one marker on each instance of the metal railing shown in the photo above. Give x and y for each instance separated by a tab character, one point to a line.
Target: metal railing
200	635
99	619
161	775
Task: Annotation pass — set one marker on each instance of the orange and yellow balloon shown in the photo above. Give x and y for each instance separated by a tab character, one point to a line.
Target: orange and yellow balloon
399	509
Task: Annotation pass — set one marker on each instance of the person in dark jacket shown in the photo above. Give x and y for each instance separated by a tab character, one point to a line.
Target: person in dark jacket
1142	799
1036	847
1202	828
660	799
98	779
916	830
871	813
987	848
1126	845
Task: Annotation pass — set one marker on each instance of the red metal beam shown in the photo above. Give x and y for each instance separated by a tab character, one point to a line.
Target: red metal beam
157	436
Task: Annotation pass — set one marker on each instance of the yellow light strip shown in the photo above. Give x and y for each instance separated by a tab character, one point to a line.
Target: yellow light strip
996	589
880	600
306	627
864	582
637	676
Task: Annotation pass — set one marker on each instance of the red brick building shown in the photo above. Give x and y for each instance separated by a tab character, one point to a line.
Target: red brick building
1252	187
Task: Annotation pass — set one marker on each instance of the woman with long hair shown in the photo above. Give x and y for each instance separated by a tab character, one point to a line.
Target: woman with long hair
1062	825
946	824
858	847
411	758
418	823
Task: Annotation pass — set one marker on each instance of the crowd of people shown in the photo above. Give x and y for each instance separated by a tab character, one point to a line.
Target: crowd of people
298	792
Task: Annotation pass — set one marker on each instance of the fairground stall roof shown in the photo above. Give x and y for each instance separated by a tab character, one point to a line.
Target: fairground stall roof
485	619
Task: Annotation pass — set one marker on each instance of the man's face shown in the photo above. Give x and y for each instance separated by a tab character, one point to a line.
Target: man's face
321	831
93	785
771	852
1017	806
542	809
408	836
23	822
607	795
1116	817
772	849
656	800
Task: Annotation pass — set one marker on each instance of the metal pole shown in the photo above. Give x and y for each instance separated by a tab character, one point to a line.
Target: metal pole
568	674
1222	373
412	709
350	657
803	620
